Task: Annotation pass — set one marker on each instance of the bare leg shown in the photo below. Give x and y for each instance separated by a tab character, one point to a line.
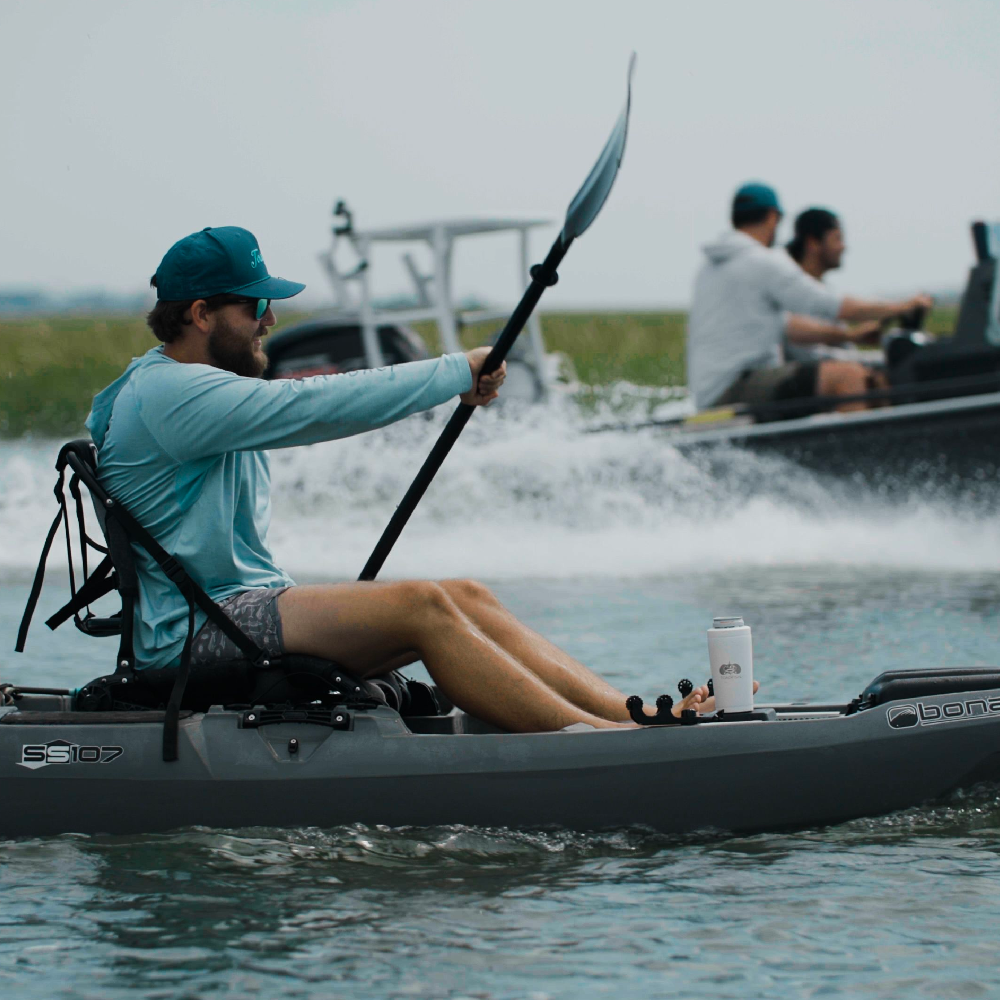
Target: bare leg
554	666
843	378
877	380
366	626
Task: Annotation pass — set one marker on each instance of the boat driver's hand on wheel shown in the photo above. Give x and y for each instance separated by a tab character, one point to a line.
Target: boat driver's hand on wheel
921	301
485	386
865	333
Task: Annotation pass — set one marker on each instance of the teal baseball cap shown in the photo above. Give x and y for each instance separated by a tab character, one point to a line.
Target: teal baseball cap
756	195
215	261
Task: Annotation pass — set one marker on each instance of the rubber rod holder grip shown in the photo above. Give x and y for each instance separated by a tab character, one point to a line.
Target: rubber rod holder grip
664	716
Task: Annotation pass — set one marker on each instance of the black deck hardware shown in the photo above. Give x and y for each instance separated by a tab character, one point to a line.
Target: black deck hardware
664	716
756	715
689	716
335	718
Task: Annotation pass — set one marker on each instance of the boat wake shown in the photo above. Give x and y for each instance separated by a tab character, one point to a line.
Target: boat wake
528	493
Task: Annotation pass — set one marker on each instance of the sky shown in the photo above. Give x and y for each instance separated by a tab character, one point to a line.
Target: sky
126	124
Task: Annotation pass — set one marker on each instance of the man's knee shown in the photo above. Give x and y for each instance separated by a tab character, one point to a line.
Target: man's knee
468	591
424	602
842	378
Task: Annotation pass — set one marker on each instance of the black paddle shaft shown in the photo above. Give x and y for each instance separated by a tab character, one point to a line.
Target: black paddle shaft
542	276
582	211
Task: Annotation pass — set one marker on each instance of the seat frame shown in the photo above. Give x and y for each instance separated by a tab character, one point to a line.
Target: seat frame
257	678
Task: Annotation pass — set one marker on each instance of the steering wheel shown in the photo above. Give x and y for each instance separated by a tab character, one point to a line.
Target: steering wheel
913	319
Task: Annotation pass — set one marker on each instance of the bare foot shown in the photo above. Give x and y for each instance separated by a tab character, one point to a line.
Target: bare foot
708	703
696	700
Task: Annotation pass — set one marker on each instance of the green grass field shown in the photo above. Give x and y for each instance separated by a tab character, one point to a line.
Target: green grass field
51	367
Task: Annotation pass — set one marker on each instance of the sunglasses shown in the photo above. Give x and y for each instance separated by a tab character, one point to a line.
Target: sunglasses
260	306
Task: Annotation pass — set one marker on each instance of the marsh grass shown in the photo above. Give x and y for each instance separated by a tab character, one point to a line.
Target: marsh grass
51	367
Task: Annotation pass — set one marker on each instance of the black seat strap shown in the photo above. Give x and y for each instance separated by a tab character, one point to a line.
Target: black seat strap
94	586
178	575
102	581
36	586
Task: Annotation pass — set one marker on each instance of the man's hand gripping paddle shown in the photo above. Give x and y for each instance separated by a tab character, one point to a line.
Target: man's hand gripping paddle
582	211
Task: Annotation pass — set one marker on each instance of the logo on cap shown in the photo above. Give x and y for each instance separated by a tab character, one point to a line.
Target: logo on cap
255	257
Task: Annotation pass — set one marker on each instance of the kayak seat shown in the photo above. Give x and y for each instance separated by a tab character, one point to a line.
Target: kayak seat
899	685
254	678
292	680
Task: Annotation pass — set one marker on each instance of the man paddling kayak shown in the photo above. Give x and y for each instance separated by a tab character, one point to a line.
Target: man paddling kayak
182	438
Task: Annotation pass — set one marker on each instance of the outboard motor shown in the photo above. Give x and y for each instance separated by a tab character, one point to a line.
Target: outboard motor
331	343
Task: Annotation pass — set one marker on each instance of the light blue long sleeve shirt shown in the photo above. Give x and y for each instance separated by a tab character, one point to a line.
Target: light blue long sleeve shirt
183	447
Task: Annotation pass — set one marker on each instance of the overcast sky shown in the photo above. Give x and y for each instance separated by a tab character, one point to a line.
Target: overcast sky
125	124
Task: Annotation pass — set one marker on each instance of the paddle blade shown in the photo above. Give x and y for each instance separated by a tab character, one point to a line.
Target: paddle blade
589	200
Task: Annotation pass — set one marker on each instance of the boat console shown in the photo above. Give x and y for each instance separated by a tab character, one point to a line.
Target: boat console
968	362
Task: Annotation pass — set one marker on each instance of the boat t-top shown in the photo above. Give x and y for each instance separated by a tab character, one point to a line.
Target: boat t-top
364	330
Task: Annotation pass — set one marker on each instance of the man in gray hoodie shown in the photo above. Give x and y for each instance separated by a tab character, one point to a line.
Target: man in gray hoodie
743	297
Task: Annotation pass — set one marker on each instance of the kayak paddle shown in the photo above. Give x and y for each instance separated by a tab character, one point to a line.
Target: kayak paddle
582	211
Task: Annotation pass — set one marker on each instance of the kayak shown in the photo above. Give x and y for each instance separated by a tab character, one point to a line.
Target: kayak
910	737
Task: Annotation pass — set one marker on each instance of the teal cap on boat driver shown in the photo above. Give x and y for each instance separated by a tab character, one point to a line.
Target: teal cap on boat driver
214	261
756	195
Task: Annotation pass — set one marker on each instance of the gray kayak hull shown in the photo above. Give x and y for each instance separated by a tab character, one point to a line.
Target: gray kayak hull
801	767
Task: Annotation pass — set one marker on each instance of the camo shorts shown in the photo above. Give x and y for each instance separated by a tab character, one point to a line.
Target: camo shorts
256	613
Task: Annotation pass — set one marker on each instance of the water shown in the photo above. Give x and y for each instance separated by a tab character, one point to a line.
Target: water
621	551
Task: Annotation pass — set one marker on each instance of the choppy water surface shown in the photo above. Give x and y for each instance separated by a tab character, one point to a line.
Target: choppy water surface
621	553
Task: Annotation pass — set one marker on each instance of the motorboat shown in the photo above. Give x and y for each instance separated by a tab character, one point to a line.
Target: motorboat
938	419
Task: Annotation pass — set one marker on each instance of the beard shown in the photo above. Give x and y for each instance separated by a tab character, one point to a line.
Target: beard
233	351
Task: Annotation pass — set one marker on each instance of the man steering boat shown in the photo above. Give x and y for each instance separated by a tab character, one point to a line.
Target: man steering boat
749	296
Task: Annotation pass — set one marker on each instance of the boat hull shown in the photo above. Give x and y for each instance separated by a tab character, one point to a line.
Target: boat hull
943	442
801	768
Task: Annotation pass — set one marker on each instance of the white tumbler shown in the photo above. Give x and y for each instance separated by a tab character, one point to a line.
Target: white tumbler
730	654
